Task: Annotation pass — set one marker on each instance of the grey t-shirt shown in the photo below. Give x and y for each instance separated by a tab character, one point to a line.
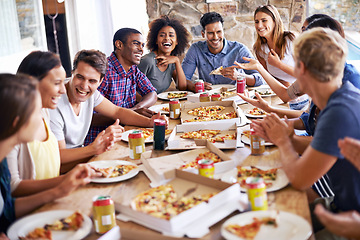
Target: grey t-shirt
66	125
160	80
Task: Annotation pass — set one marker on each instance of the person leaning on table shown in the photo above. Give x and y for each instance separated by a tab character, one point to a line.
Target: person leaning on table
320	56
71	120
21	105
214	52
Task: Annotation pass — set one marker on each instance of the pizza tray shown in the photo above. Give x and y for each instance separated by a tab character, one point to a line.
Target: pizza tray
175	142
195	222
230	106
157	169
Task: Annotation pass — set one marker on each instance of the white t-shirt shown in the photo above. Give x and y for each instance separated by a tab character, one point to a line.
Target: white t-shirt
288	59
65	124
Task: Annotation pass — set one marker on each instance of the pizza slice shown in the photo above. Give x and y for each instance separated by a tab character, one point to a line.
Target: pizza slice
256	112
38	233
154	200
149	132
269	175
216	71
200	134
72	222
223	138
205	155
249	231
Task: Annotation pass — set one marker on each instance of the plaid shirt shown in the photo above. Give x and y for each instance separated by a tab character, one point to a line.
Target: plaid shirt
120	87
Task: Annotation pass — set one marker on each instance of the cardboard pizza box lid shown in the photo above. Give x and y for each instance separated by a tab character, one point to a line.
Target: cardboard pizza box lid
196	221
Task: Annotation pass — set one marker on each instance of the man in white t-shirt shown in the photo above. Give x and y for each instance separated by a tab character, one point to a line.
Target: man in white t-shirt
71	120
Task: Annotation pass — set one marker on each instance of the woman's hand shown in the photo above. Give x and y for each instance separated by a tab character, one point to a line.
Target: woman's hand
166	60
252	64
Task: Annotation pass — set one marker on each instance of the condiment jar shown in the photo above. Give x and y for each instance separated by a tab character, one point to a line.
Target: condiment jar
174	108
257	144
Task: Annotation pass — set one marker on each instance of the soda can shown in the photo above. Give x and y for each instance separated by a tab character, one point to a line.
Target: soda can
256	191
240	84
204	97
206	168
174	108
159	134
104	214
136	144
216	97
199	86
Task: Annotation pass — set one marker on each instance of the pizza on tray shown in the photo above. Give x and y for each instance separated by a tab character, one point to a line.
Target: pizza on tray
227	94
117	171
249	231
205	155
172	95
72	222
211	135
269	175
206	111
215	117
162	202
216	71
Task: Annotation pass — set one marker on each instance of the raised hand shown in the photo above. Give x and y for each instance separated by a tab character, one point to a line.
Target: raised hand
252	64
276	129
115	131
165	60
259	102
159	116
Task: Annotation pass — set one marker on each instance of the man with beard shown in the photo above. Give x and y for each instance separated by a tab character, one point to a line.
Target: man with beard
123	79
215	52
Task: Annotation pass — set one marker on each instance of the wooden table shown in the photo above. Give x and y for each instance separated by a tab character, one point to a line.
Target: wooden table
287	199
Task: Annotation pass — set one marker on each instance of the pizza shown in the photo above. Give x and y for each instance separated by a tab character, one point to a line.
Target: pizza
206	111
214	117
172	95
165	109
72	222
162	202
118	170
249	231
38	233
223	138
205	155
201	134
247	133
216	71
269	175
256	112
149	132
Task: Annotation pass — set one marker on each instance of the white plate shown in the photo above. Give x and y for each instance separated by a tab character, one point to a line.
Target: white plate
247	141
125	136
158	108
290	226
113	163
280	182
27	224
164	95
264	89
253	116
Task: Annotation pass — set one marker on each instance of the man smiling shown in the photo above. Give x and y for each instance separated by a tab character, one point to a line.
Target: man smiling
215	52
71	120
123	79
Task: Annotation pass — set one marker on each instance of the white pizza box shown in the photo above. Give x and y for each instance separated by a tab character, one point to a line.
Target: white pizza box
175	142
195	222
230	106
159	169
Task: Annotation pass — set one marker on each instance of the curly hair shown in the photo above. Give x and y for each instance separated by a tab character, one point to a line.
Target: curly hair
182	35
279	35
210	17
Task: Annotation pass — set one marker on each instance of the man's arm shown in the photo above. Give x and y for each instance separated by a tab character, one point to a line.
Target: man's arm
146	101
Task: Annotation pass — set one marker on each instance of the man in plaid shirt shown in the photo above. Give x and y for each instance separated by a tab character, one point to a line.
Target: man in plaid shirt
124	81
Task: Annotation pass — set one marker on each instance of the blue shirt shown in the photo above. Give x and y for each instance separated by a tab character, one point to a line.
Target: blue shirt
340	118
7	212
199	56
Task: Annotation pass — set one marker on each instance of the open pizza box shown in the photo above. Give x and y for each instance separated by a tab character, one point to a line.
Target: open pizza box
230	106
175	142
159	169
195	222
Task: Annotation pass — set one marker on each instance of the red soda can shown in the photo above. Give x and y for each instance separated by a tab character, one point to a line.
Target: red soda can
206	168
240	84
199	86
